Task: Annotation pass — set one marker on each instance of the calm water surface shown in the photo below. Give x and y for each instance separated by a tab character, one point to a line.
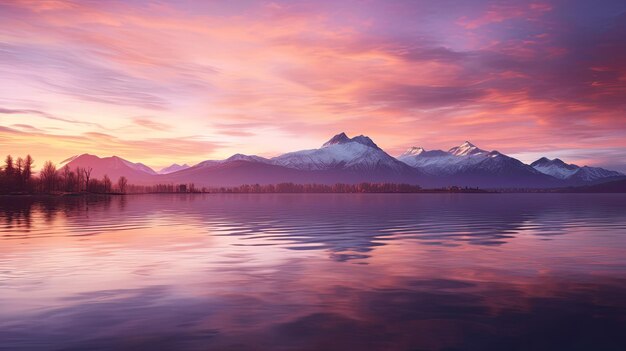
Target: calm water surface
314	272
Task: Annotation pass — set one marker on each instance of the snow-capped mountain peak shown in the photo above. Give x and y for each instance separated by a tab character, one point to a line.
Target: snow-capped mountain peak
250	158
465	160
342	138
362	139
337	139
235	157
559	169
465	149
413	151
342	153
556	168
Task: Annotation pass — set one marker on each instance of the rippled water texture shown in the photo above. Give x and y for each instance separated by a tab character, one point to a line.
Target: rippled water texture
314	272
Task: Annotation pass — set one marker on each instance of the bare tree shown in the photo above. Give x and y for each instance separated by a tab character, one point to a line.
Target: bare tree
80	179
121	184
27	171
48	176
87	174
65	177
106	183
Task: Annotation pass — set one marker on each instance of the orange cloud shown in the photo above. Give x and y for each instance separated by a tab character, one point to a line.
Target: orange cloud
299	72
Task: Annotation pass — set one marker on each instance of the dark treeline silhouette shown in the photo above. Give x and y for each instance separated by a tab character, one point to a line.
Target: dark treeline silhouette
296	188
321	188
18	177
279	188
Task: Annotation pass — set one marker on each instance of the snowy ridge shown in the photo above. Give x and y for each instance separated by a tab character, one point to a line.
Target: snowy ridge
413	151
555	168
233	158
587	173
250	158
342	152
561	170
464	158
465	149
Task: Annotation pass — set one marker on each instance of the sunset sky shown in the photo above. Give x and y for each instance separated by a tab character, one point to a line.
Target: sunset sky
184	81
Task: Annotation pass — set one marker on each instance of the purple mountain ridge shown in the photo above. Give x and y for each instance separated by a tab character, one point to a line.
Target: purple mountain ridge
114	167
354	160
573	173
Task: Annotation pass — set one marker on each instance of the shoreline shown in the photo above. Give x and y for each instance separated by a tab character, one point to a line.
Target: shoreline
84	195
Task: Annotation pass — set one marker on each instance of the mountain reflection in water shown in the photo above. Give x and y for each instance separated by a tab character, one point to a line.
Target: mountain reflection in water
314	272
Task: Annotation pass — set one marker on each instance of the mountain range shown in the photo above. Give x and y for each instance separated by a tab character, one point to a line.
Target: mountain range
572	172
353	160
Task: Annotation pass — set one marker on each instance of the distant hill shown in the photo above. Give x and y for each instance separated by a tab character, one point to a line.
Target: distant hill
114	167
468	165
574	174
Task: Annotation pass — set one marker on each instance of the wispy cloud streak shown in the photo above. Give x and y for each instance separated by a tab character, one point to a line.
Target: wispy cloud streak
418	72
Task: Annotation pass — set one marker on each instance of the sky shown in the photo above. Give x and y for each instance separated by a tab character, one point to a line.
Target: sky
160	82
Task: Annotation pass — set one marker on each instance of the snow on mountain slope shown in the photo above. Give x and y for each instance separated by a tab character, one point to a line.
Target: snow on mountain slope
340	160
175	167
465	149
438	162
413	151
463	159
555	168
590	174
559	169
233	158
342	153
249	158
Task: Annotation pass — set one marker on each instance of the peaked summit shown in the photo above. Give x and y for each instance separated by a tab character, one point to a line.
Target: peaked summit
342	153
465	149
337	139
571	172
342	138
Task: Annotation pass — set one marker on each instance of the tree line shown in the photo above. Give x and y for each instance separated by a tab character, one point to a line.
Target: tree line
279	188
18	177
321	188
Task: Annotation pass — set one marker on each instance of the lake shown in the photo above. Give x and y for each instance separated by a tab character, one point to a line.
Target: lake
314	272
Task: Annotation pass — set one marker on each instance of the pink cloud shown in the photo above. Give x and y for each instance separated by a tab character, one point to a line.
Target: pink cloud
392	70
